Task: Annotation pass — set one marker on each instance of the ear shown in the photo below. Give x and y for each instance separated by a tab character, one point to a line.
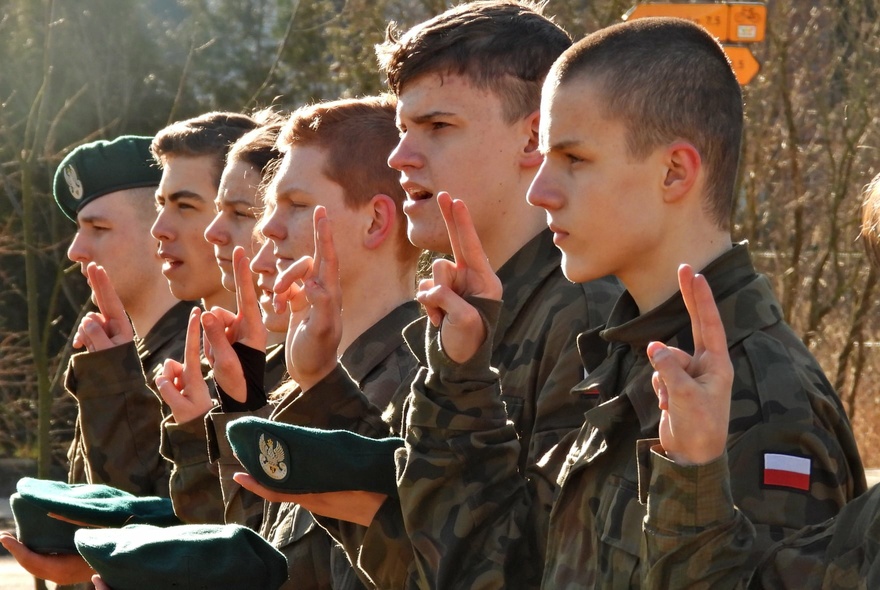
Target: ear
383	216
683	168
530	156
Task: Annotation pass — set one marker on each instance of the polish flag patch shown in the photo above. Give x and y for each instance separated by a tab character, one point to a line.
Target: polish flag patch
788	471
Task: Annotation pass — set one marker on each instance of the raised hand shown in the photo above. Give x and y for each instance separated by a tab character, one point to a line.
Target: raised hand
58	568
694	391
461	327
108	328
316	308
182	386
224	328
357	506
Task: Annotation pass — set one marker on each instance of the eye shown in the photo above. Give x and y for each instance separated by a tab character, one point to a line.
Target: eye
437	125
572	159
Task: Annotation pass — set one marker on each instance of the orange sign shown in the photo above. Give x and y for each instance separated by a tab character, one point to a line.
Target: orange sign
747	22
745	66
715	18
740	22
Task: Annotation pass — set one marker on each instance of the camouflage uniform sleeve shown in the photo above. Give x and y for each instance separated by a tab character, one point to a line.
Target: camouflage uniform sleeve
195	484
336	402
119	417
694	536
840	553
462	497
240	506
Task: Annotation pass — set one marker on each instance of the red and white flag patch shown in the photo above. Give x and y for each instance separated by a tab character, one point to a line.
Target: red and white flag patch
789	471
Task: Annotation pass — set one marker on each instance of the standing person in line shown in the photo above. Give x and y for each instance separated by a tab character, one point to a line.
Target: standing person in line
250	163
107	187
696	537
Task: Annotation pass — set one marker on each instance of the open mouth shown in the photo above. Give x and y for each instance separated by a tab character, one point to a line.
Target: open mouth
420	195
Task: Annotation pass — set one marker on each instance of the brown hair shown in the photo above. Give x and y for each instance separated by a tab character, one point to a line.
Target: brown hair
667	79
357	136
505	47
870	232
210	134
259	148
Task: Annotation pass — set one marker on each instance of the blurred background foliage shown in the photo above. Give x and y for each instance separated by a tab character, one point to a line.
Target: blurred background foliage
75	71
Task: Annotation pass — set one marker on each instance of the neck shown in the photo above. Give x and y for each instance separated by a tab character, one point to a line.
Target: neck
656	278
370	298
222	298
149	308
513	228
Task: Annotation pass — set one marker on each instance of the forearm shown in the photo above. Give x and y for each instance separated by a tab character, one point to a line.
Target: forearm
694	536
463	500
240	506
120	418
195	485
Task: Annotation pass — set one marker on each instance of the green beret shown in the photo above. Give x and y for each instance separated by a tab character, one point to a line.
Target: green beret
187	556
102	167
91	504
302	460
40	532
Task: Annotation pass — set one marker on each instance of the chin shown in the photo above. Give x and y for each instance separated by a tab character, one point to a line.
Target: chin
578	272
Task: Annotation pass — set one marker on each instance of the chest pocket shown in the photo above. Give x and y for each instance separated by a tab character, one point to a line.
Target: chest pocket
514	407
619	525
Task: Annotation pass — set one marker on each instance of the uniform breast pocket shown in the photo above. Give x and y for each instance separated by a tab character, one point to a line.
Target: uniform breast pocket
619	525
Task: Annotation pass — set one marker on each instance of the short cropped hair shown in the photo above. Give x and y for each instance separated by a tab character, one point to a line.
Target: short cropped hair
503	46
211	134
259	147
356	135
870	233
667	79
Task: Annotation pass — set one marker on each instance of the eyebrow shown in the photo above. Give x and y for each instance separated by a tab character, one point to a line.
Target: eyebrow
426	117
220	202
289	194
564	145
90	219
173	197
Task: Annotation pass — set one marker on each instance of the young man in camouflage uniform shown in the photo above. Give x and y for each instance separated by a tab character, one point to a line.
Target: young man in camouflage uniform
640	131
363	269
107	187
695	536
468	91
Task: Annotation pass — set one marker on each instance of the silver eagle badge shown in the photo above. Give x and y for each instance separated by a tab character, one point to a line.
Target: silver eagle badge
272	458
73	182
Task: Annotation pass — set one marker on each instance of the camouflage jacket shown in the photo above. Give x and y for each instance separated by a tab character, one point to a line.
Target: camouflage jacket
534	354
783	413
195	486
782	405
697	538
379	364
116	439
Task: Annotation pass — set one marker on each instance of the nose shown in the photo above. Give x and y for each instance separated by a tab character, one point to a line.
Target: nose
78	252
544	192
216	232
263	262
161	229
272	227
405	155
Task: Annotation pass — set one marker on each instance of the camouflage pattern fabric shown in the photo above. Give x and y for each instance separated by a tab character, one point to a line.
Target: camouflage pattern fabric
534	351
481	510
196	491
697	538
377	363
116	440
